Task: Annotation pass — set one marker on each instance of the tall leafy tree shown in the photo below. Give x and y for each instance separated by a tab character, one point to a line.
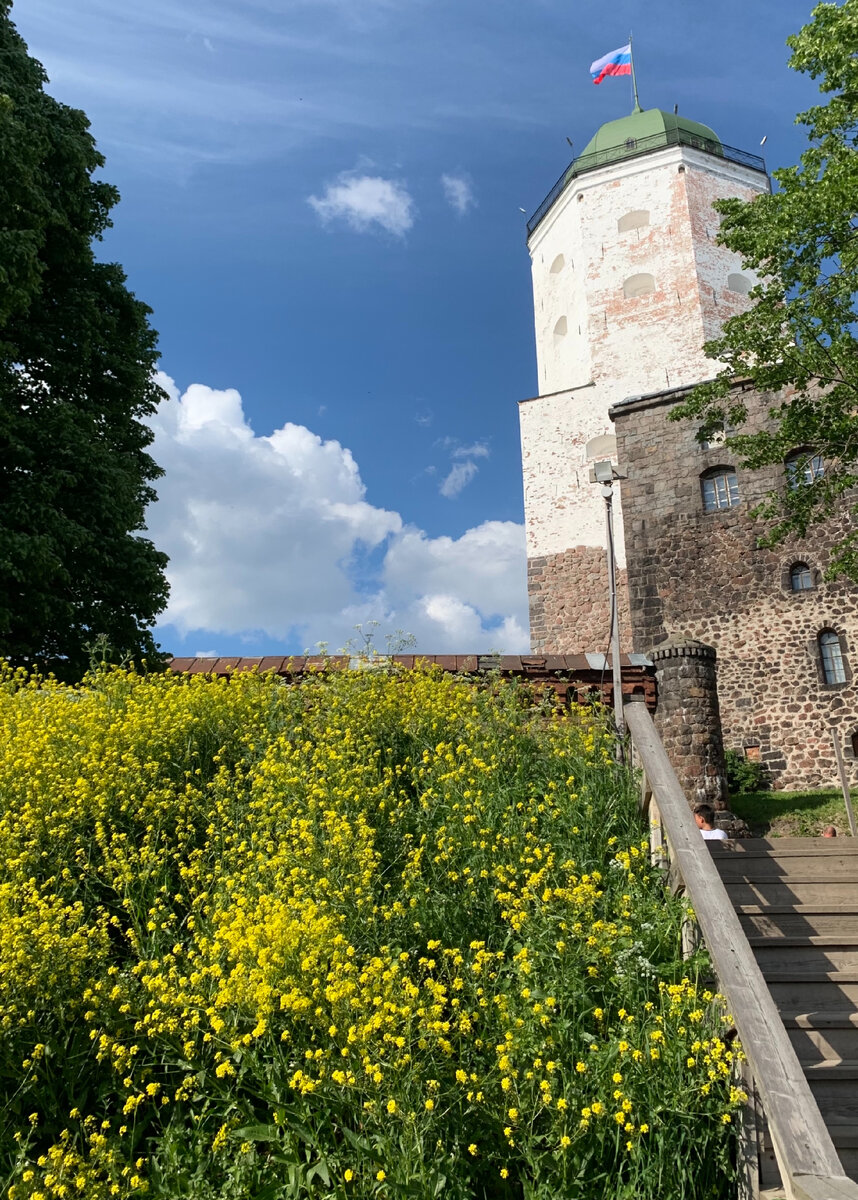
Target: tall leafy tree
798	340
77	356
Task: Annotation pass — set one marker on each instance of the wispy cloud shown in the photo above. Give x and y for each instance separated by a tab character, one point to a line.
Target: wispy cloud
477	450
459	478
174	84
463	467
458	192
364	201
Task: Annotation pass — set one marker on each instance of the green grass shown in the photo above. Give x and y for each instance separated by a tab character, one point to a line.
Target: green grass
793	814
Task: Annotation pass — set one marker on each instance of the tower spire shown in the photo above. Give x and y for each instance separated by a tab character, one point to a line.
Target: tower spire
637	106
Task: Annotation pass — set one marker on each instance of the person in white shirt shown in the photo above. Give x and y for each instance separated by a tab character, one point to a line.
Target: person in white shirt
704	815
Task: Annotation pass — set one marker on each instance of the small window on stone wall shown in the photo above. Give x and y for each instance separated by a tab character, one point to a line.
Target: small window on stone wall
720	489
739	283
831	657
752	752
714	436
804	467
558	265
638	285
800	577
853	742
560	330
638	219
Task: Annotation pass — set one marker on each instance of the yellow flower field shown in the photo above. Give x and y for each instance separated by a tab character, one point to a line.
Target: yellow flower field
374	935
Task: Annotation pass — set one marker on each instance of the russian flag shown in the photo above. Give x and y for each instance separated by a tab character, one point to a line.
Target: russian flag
618	62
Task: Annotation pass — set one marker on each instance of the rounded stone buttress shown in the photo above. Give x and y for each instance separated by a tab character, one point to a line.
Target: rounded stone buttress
688	718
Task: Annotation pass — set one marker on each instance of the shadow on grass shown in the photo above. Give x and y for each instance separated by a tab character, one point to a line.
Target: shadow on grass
792	814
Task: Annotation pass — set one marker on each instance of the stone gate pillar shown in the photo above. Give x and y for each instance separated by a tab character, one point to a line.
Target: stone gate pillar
689	720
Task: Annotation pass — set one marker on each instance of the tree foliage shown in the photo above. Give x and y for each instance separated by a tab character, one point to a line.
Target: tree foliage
797	341
77	357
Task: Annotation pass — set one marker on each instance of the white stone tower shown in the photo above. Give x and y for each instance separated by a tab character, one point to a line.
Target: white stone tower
628	282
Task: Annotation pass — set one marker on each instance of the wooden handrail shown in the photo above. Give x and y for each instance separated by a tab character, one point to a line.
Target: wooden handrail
810	1167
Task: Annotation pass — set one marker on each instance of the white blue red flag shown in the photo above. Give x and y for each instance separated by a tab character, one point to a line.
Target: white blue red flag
618	62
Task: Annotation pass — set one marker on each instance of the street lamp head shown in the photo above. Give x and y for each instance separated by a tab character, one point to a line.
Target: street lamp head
602	472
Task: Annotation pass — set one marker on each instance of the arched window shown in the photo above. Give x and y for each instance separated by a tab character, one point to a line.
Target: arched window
831	657
801	577
638	285
558	265
603	446
739	283
633	220
720	489
560	330
804	467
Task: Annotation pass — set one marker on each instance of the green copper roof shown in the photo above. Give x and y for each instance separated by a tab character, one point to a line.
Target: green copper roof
642	130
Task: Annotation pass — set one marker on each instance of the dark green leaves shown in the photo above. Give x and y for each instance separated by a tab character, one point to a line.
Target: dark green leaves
77	358
797	343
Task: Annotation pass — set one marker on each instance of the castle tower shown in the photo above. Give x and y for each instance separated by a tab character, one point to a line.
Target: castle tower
628	283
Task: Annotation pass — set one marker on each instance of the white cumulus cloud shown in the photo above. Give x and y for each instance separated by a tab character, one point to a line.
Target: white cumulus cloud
458	192
364	201
272	537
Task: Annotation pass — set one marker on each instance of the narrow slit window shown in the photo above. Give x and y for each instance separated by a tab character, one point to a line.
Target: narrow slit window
831	655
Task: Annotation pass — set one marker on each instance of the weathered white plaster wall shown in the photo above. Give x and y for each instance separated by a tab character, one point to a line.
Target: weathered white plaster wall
562	507
614	345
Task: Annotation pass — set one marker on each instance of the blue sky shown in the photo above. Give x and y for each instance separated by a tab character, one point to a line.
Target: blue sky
321	202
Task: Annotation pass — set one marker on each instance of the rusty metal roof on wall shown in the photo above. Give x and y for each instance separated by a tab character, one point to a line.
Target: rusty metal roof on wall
571	676
513	664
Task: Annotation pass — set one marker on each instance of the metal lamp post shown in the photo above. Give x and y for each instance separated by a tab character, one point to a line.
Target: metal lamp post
604	473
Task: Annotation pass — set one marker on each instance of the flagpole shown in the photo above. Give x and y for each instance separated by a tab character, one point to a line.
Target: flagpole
637	107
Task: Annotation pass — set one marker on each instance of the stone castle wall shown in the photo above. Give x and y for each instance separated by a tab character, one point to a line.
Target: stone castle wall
701	575
569	603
